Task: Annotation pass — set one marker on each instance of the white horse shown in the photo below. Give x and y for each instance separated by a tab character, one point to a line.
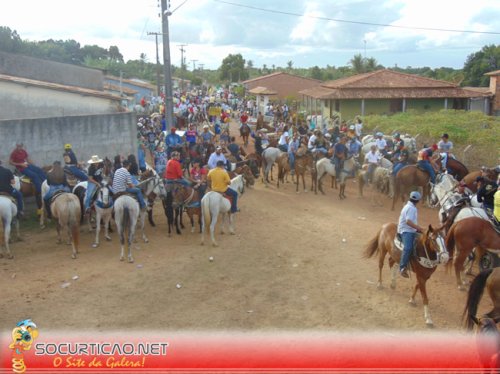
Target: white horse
8	213
65	208
103	210
325	166
213	204
269	157
127	213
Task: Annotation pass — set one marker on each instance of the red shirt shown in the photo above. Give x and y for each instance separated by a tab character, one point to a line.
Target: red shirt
244	118
197	174
173	170
19	156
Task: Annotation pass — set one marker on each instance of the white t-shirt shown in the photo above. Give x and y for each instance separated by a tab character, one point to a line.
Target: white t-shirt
381	144
358	127
311	142
283	138
372	158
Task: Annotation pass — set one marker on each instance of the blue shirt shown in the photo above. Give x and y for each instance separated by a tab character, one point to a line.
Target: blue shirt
172	140
354	146
409	212
141	158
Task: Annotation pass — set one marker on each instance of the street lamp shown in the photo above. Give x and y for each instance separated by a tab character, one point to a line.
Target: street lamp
169	101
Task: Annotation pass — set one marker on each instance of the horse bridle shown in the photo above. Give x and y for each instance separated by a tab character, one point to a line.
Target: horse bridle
442	255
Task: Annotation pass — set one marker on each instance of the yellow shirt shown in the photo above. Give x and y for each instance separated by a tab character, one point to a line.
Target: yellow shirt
219	178
496	205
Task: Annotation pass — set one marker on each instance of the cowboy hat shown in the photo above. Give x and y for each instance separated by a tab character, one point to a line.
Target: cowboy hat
263	130
94	160
205	126
67	146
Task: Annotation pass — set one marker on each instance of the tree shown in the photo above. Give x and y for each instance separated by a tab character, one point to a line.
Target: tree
233	68
10	41
114	54
249	64
289	65
480	63
357	64
316	73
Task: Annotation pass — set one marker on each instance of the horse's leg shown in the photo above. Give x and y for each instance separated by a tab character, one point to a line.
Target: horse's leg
394	272
423	291
231	223
6	234
191	219
97	227
131	234
304	182
176	220
58	228
42	215
181	210
107	219
212	230
381	260
142	220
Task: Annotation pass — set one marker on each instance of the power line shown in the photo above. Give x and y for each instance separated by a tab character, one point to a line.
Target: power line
354	22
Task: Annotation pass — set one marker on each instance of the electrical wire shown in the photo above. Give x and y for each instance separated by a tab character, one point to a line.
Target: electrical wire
354	22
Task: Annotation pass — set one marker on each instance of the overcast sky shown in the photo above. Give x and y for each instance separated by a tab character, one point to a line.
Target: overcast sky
212	29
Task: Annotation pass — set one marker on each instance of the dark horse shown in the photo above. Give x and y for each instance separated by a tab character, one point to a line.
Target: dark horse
458	170
407	178
429	252
245	133
173	207
488	348
187	198
464	236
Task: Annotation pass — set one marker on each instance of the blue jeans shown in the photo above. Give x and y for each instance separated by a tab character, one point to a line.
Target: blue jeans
78	173
52	190
283	147
339	164
426	165
408	239
138	193
397	167
234	199
19	199
36	175
291	160
369	172
90	191
182	181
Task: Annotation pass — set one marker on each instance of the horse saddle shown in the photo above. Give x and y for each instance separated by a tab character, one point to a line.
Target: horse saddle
70	178
25	179
117	195
398	243
56	195
227	197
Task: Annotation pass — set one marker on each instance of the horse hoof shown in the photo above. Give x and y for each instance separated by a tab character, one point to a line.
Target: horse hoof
412	302
429	323
306	191
10	257
42	227
215	245
108	238
393	285
95	245
130	260
232	233
73	256
146	240
122	258
379	286
461	288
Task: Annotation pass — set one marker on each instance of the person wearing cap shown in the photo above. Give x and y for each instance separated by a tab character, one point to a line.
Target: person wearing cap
206	136
216	156
56	180
21	160
198	177
312	140
381	143
372	159
354	146
122	182
191	135
219	181
399	157
173	171
444	148
7	183
172	141
160	159
72	163
234	149
408	228
358	127
96	173
486	190
425	161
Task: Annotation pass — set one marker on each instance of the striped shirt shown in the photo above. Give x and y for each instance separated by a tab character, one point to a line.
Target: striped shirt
121	180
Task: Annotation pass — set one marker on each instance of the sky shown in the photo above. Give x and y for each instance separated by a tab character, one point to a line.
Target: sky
306	32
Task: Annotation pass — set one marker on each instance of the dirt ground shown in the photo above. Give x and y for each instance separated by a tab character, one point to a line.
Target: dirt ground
287	268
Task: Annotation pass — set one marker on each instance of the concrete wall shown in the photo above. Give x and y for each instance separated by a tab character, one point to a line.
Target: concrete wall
44	139
50	71
19	101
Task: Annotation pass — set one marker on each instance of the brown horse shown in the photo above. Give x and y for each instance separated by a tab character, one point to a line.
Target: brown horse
302	164
407	179
65	208
464	236
27	189
469	181
283	168
188	198
245	133
458	170
429	252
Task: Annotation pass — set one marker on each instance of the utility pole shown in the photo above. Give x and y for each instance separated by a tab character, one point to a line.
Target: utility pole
157	63
182	64
194	66
169	102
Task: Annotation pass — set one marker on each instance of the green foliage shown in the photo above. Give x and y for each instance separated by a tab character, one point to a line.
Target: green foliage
464	127
233	68
479	63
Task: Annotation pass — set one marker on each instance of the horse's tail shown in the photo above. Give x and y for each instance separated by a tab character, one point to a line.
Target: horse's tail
74	211
372	248
450	245
205	210
474	296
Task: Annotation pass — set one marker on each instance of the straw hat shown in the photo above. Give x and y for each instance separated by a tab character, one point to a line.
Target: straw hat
94	160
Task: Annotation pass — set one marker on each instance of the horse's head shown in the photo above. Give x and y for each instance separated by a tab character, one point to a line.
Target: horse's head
104	195
238	184
432	240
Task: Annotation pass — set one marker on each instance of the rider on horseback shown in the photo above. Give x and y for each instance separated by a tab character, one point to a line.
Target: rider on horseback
219	181
172	141
21	160
486	190
444	148
339	155
407	228
173	172
293	147
56	179
6	186
399	157
72	164
425	161
122	182
96	169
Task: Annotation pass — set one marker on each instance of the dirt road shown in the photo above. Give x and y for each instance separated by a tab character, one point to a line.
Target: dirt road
287	267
